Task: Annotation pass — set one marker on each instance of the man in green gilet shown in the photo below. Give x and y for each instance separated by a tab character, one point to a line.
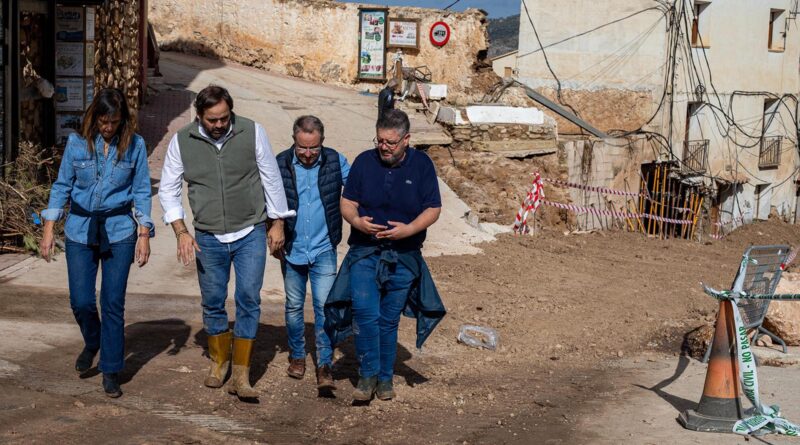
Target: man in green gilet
235	189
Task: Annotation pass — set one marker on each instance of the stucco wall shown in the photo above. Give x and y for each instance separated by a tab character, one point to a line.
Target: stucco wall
614	77
316	40
500	63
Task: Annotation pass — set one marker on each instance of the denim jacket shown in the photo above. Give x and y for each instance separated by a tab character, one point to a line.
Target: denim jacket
98	183
423	302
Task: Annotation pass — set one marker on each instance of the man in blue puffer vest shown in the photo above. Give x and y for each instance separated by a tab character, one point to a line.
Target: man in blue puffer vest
313	176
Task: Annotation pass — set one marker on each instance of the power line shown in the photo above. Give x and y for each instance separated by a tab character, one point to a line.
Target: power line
547	61
593	30
451	4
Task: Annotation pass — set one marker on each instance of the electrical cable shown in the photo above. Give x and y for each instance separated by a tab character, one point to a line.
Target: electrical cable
547	61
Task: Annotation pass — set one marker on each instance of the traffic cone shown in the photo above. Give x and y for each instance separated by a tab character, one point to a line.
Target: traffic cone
719	407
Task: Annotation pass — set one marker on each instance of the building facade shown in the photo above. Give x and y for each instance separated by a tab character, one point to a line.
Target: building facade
712	84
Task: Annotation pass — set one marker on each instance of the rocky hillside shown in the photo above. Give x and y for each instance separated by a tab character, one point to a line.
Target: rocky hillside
503	35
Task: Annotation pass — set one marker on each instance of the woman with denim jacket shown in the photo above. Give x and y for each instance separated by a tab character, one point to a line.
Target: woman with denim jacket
105	179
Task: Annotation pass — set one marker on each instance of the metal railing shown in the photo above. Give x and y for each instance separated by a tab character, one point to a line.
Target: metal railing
695	156
770	154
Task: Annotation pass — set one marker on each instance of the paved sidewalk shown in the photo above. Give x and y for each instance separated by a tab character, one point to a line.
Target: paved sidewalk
14	264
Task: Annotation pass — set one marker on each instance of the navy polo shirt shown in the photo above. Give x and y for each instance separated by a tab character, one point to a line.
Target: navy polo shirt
400	193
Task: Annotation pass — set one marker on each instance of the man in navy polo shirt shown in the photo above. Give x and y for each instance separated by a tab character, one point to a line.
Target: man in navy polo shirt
390	199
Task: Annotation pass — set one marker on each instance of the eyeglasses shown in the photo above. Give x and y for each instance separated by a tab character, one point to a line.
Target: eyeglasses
309	149
391	145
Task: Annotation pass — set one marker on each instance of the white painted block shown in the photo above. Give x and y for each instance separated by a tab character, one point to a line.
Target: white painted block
451	116
482	114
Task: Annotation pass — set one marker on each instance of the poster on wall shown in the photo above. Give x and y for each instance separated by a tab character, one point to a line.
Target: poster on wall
69	94
403	33
90	20
69	24
89	59
89	87
372	44
66	123
69	59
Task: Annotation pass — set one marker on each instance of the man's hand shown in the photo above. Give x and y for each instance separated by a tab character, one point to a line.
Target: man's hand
186	248
399	231
275	238
364	224
143	250
361	223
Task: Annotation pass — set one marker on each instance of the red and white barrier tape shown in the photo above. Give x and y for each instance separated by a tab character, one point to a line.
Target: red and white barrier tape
535	198
529	206
591	188
601	212
609	191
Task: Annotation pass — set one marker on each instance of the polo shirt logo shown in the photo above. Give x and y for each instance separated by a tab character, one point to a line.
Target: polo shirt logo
408	181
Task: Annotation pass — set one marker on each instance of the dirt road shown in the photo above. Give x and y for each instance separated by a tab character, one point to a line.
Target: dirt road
590	330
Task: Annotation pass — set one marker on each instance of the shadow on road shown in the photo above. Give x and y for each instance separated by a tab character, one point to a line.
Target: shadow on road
147	339
271	340
679	403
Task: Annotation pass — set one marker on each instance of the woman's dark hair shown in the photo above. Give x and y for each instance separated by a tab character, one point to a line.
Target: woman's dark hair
210	96
108	102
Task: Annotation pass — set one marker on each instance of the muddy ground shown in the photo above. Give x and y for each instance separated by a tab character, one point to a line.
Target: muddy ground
566	308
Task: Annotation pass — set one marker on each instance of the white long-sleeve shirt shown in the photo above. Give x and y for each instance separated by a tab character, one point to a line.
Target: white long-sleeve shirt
169	191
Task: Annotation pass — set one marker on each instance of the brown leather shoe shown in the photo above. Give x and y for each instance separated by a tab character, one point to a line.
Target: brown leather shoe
325	378
297	368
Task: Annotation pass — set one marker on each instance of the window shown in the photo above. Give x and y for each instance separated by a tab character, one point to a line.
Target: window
769	155
700	25
776	38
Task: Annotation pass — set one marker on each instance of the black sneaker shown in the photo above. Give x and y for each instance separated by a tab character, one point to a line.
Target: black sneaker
365	389
84	361
111	385
385	390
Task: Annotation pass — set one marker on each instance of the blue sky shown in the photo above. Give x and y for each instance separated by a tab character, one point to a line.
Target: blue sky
495	8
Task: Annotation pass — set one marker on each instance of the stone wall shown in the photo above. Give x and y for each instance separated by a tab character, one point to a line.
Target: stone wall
316	39
476	137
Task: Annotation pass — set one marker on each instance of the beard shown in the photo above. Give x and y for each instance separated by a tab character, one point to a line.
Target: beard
391	159
217	133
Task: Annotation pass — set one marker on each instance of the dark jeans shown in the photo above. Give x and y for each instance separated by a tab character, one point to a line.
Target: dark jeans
82	263
376	315
249	257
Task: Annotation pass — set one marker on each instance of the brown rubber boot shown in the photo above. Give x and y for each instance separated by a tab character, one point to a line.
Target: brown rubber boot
239	383
219	350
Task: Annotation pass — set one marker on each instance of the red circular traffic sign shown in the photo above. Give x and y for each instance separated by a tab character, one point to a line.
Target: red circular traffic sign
440	34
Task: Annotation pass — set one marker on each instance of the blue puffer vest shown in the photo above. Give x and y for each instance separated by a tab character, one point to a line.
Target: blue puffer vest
330	191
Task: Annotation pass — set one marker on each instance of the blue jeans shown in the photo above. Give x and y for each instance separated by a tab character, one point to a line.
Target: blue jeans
82	263
295	276
249	257
376	315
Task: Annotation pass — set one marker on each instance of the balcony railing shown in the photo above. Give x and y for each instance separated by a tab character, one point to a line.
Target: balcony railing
695	156
770	154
